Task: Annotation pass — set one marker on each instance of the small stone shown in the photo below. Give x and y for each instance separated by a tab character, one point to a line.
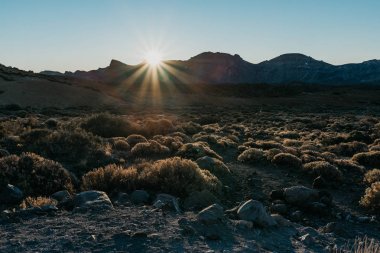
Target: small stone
140	197
61	195
212	214
165	200
307	239
92	200
11	195
299	195
254	211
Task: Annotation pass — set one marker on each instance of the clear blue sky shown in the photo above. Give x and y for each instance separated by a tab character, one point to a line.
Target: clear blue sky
87	34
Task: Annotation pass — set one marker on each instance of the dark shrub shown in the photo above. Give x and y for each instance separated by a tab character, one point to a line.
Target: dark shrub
175	176
34	175
215	166
160	126
287	160
324	169
349	148
112	178
107	125
369	159
252	155
179	177
196	150
371	198
133	139
150	149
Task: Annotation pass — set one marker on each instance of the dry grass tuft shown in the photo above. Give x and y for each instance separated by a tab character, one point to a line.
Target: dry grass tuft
372	176
287	160
151	149
111	178
368	159
371	198
252	155
325	169
37	202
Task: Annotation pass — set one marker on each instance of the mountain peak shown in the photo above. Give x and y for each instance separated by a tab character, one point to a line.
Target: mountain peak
215	56
292	57
117	64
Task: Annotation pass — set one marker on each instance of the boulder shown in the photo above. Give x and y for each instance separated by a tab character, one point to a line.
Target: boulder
299	195
210	215
94	200
281	221
11	195
64	198
279	208
165	200
254	211
140	197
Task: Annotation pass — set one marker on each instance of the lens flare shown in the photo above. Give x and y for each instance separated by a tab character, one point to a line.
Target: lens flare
153	58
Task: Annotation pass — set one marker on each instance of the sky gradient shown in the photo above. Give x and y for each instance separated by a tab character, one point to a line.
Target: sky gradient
87	34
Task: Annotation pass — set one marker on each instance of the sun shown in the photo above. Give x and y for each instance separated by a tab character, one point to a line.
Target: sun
153	58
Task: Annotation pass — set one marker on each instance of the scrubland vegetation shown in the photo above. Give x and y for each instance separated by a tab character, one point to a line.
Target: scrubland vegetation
199	158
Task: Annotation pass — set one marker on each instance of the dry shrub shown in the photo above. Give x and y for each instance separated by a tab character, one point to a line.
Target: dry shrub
289	134
133	139
369	159
179	177
374	148
63	146
372	176
34	175
112	178
271	153
197	150
161	126
204	137
265	145
292	143
252	155
107	125
149	149
371	198
307	158
121	145
328	156
287	160
349	148
348	166
175	176
172	142
37	202
215	166
324	169
191	128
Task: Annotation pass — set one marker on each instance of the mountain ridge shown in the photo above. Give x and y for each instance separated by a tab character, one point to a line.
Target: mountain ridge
218	68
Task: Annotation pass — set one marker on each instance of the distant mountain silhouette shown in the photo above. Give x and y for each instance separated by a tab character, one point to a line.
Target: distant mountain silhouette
218	67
